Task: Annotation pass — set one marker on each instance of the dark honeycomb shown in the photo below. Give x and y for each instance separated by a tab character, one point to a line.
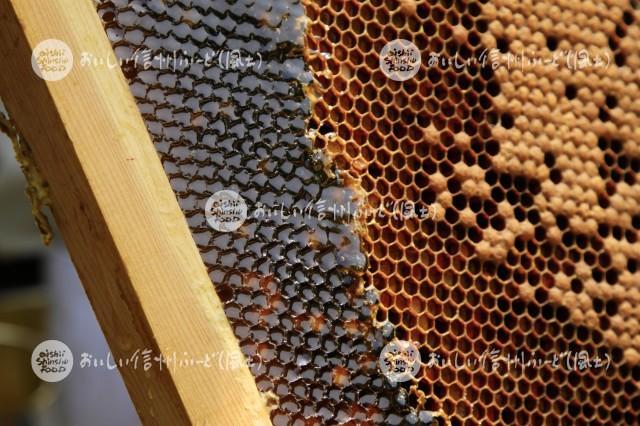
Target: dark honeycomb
292	287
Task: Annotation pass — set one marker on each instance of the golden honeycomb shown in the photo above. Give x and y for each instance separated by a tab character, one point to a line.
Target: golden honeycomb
531	171
527	174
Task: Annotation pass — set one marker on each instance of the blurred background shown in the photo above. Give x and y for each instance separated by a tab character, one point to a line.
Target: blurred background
41	298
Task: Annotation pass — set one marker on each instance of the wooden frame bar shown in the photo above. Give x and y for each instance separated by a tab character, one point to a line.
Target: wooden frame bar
120	220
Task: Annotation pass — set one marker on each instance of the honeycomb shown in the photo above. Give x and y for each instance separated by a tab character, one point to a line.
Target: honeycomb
291	277
529	171
532	170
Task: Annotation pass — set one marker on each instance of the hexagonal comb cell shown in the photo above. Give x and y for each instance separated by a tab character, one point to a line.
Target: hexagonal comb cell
520	253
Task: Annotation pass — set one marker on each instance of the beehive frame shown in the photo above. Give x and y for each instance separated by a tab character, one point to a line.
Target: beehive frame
120	221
